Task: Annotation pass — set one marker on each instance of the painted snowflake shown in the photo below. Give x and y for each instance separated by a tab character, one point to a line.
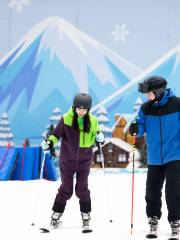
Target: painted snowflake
120	32
18	4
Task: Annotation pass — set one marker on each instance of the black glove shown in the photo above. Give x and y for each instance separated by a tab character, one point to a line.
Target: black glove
133	128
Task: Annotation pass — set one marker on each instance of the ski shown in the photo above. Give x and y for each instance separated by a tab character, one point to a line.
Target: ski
175	237
44	230
87	230
151	236
49	229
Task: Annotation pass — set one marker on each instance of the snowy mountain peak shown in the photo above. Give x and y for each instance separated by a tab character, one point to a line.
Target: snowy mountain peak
73	48
166	61
52	63
51	31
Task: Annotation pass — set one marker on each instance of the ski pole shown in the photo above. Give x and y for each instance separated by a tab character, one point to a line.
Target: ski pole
46	152
5	155
22	161
132	196
105	183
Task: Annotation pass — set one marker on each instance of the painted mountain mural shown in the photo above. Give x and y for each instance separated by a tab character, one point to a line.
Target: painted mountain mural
52	63
124	98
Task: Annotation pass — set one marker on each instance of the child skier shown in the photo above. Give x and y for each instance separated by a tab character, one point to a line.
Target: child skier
79	130
160	119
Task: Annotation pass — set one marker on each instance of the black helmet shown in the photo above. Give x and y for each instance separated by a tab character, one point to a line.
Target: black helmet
82	100
154	84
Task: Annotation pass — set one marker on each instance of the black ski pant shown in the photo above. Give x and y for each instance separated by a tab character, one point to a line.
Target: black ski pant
156	176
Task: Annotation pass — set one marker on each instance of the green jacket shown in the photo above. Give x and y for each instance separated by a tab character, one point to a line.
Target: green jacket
76	146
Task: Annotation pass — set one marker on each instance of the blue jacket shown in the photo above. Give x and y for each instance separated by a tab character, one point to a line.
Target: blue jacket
161	123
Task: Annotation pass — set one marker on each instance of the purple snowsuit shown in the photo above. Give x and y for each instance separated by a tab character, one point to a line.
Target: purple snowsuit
73	159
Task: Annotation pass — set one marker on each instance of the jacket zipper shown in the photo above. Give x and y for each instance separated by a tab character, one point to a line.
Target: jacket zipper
161	138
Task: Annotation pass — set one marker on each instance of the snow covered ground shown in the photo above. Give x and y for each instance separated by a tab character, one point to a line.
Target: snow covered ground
18	201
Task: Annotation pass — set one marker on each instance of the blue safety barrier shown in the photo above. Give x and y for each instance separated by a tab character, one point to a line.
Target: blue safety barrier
24	163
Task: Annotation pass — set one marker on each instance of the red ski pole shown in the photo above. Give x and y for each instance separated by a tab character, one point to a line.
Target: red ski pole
5	155
22	162
132	195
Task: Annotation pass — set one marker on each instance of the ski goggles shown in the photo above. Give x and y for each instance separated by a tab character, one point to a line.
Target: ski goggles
143	88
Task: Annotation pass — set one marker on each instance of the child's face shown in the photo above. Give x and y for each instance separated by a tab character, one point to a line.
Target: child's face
81	112
150	95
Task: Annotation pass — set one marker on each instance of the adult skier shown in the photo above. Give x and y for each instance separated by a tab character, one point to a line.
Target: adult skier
78	130
159	118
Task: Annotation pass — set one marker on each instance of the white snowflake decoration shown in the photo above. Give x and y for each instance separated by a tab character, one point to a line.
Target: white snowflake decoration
18	4
120	32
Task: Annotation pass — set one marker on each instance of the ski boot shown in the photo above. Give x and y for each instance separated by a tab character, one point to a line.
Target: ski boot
175	227
86	222
55	220
153	224
54	224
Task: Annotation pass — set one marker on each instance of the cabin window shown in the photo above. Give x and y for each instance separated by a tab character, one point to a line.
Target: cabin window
122	157
98	158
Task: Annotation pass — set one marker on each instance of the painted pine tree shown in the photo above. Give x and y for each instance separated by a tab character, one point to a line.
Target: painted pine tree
137	104
56	116
53	121
103	121
6	135
131	117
